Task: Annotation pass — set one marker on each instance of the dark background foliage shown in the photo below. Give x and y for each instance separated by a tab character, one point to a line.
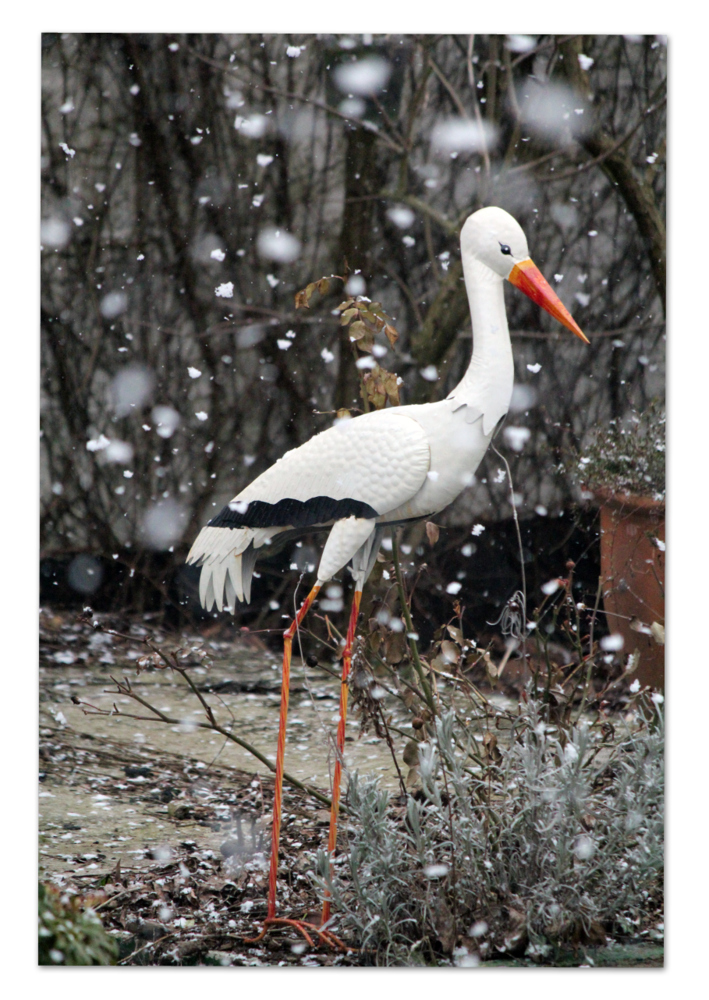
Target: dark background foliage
165	158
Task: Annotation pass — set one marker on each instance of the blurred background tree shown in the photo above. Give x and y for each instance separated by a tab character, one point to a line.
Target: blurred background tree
191	184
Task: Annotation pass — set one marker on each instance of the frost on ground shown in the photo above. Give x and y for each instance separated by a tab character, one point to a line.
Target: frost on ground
168	835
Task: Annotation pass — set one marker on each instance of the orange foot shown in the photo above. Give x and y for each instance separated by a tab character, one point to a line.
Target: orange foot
327	937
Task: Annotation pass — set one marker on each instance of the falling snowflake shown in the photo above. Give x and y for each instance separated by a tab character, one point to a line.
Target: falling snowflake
517	437
612	643
98	444
401	216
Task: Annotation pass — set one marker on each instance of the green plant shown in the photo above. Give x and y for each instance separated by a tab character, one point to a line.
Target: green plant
627	456
555	840
70	932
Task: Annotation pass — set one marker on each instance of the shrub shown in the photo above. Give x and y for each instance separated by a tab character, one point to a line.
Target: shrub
555	840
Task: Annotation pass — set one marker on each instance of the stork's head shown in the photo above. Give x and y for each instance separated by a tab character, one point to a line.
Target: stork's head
493	238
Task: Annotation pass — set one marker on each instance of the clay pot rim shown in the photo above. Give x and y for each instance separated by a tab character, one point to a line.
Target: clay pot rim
628	501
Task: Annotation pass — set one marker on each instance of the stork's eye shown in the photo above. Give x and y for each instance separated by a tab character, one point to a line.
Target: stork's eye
505	249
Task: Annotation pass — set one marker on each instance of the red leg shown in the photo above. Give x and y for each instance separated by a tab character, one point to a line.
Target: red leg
337	777
304	928
281	750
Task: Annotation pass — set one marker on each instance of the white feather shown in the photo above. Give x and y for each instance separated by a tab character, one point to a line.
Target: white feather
234	571
208	599
218	569
230	592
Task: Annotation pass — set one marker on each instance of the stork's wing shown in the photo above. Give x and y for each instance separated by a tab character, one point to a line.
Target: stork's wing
364	467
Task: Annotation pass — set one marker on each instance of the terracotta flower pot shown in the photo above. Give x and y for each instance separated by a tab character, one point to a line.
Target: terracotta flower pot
633	575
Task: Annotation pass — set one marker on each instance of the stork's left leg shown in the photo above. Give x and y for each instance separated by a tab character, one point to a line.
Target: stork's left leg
337	777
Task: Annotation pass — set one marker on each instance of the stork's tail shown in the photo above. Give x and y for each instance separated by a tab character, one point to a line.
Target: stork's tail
227	557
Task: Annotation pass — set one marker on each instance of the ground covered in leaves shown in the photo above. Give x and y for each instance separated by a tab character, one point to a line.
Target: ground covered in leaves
191	903
171	851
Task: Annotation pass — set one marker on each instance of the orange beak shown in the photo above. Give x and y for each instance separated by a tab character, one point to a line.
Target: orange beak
530	280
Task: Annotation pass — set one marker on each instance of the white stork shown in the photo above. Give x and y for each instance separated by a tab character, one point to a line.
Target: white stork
367	474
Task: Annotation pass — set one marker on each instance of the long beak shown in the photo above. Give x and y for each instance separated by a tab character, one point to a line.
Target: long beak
530	280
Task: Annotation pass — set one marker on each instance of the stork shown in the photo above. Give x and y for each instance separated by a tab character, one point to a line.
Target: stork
367	474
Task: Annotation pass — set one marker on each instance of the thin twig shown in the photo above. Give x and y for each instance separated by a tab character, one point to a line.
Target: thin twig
150	944
519	536
211	724
591	659
390	744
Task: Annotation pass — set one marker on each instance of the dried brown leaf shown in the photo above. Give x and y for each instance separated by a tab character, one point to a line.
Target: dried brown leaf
302	299
432	532
490	747
358	329
455	634
412	777
348	315
658	633
449	652
395	648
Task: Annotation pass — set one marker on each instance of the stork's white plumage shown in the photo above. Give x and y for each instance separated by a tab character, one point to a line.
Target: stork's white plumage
380	469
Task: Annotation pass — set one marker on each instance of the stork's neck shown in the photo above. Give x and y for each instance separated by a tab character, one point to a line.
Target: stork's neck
487	384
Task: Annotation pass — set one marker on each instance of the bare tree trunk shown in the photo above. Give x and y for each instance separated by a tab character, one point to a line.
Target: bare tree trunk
362	180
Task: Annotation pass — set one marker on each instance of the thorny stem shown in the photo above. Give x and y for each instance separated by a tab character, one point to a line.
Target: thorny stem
409	625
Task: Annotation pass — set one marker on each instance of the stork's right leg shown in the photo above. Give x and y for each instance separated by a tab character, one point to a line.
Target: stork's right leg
305	928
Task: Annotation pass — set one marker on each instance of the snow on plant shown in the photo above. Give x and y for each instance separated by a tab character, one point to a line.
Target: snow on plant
555	837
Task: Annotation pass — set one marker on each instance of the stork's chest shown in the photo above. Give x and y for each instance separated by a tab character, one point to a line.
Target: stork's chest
456	449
